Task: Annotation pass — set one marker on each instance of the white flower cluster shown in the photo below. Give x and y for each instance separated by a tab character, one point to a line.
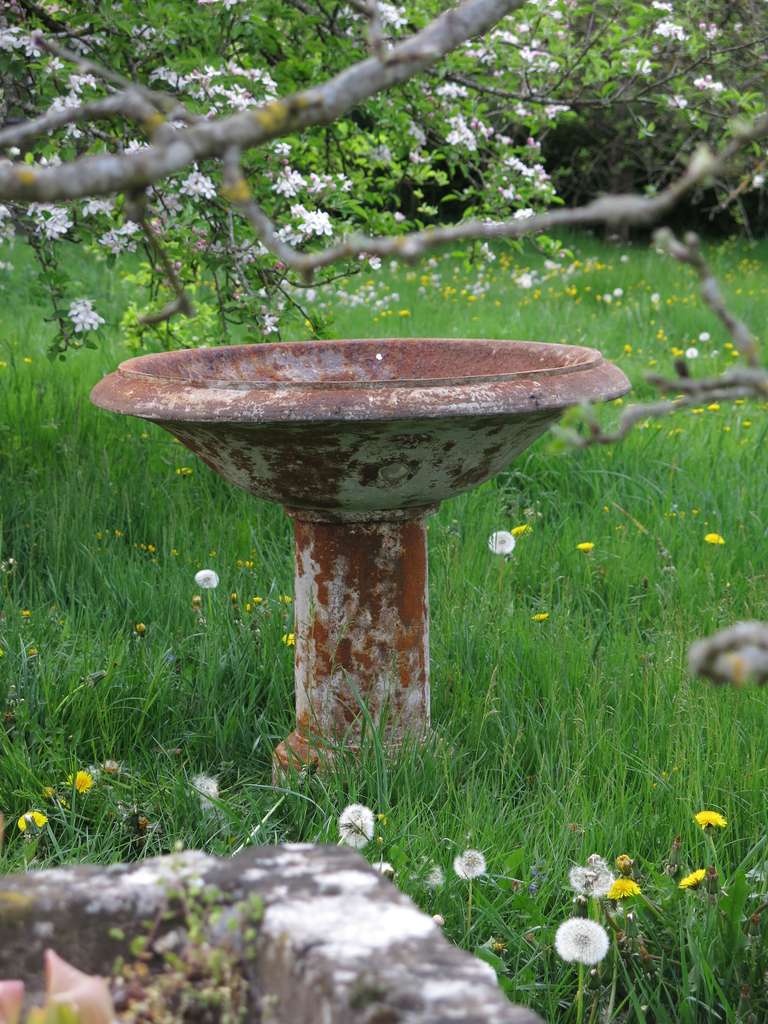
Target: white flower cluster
92	207
14	39
52	221
198	185
707	82
461	134
670	30
206	85
120	239
84	316
313	222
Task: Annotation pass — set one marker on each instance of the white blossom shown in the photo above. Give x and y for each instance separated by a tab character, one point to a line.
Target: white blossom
289	182
198	184
470	864
313	222
53	221
91	207
707	82
461	134
84	316
356	825
670	30
692	353
120	239
704	336
582	941
392	16
207	579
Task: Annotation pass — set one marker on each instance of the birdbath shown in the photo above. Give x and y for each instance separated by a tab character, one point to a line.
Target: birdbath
359	441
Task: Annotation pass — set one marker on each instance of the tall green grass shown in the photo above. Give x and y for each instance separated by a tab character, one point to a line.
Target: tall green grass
551	740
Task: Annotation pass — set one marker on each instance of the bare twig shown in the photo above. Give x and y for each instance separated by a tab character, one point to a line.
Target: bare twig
742	382
130	104
181	303
689	252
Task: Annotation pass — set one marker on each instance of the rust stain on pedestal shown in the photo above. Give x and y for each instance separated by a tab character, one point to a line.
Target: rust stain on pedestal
359	440
361	628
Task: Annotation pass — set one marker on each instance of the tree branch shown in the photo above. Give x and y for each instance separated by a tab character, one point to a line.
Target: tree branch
109	173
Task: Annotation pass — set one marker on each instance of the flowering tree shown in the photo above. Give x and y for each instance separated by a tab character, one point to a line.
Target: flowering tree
249	147
258	151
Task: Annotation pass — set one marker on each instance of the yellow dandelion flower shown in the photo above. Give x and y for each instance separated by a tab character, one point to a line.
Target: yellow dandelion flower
82	781
714	538
289	639
710	819
140	628
586	546
285	599
32	818
540	617
26	613
622	888
692	881
49	792
518	531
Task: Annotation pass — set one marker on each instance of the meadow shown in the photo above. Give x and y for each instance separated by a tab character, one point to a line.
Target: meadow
565	722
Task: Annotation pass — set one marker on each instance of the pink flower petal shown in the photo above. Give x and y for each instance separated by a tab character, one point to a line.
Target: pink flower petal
11	998
87	993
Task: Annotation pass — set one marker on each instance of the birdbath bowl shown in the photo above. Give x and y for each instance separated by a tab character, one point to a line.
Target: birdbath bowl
359	441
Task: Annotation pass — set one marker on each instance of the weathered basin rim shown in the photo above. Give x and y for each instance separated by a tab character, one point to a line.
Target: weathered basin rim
580	374
593	358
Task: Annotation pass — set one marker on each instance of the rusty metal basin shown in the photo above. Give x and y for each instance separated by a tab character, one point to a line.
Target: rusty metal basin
359	440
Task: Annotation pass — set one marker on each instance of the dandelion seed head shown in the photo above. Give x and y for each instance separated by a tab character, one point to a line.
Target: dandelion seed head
435	877
207	579
207	787
593	879
580	940
502	542
356	825
470	864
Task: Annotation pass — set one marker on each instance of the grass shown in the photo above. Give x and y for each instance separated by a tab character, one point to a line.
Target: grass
551	740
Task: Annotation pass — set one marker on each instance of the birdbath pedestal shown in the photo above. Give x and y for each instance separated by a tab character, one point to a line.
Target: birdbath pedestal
359	441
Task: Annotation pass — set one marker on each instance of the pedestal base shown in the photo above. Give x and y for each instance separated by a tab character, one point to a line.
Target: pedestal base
362	633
